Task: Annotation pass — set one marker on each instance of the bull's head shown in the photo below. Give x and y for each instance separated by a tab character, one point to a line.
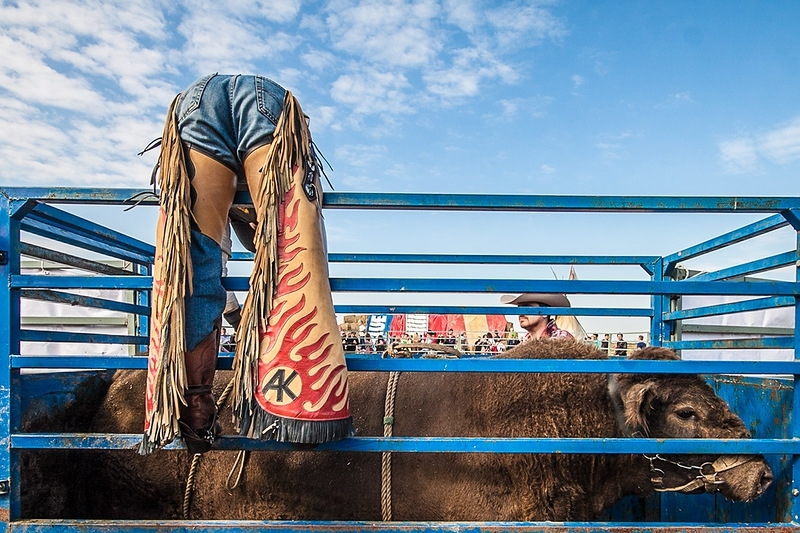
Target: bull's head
685	406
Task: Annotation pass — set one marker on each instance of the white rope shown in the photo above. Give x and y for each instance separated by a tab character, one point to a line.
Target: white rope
386	457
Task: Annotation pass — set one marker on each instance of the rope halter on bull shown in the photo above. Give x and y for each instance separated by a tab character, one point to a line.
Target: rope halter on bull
706	473
706	477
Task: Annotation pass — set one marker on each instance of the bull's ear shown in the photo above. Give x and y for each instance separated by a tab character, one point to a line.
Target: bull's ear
637	403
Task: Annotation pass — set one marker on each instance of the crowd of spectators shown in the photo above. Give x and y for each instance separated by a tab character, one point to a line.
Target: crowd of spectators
489	343
620	348
359	340
492	343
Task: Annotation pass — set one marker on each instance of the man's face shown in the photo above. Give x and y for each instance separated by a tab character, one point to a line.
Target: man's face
529	322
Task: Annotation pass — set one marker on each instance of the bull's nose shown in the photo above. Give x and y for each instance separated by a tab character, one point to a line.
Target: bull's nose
766	480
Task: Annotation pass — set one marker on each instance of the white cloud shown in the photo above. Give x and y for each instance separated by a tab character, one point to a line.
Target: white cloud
57	20
387	33
577	80
738	155
358	182
78	89
92	37
547	169
470	68
360	155
322	117
275	10
39	153
319	60
528	107
611	145
455	48
85	85
291	78
510	108
372	92
96	77
609	151
519	24
781	145
744	153
218	40
24	73
23	126
463	13
234	36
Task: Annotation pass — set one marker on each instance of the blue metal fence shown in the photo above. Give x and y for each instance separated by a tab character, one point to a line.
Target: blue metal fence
76	241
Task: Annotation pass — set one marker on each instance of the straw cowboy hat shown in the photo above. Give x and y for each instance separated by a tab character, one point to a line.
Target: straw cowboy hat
548	299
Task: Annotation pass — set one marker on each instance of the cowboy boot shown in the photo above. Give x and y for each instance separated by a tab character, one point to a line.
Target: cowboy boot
198	418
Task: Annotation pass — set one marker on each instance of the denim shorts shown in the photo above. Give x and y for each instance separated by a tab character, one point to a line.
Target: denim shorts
227	117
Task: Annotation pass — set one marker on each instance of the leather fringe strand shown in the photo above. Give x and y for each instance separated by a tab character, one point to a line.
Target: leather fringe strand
175	271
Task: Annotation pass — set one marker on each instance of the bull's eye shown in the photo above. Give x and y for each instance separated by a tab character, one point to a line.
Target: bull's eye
686	413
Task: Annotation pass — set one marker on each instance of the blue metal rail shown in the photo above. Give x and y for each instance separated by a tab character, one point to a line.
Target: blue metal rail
31	211
372	363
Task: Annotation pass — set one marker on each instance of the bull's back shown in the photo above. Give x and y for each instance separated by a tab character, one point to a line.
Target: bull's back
346	486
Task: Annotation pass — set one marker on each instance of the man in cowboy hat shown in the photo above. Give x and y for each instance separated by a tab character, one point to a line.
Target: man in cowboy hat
539	326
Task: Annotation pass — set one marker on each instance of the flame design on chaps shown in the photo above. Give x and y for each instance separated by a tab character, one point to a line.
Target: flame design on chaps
152	362
293	333
154	349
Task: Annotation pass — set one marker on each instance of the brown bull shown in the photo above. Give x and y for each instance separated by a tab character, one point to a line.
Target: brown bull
513	487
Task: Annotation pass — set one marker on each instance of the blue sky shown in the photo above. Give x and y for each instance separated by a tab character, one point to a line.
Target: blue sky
573	97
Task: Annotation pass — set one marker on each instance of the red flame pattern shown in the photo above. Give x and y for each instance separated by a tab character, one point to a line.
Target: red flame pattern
296	338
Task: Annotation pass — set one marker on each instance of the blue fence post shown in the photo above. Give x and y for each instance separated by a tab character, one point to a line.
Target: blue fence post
14	211
658	303
9	343
143	321
794	427
5	350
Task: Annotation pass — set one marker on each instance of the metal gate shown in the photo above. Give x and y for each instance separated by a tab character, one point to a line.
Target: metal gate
34	223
